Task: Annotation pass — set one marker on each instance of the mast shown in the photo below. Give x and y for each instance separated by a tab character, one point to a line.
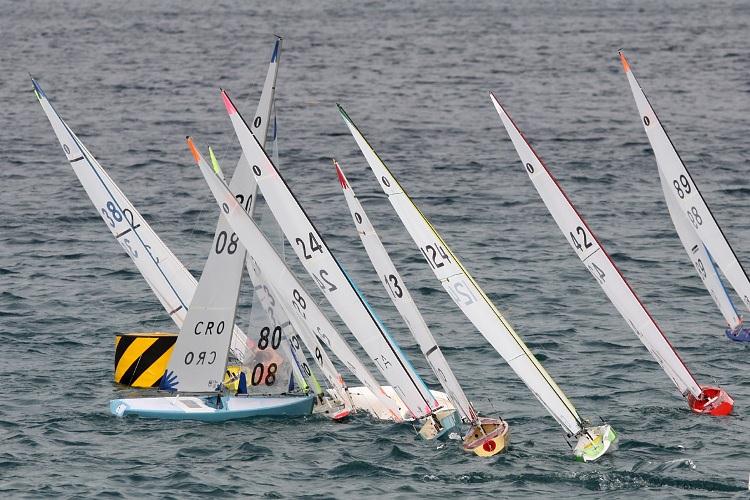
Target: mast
398	292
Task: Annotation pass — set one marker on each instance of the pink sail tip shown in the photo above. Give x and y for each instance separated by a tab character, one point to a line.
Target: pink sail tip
227	103
340	174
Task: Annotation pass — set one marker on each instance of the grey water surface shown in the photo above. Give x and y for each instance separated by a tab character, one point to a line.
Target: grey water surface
133	78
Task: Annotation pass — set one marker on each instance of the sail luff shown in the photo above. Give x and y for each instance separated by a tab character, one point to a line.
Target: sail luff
322	265
467	294
592	254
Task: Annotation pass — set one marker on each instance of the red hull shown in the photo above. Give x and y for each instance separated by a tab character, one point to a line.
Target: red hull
713	401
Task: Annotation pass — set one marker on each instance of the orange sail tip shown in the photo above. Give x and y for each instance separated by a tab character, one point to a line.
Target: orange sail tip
340	174
193	150
625	64
227	103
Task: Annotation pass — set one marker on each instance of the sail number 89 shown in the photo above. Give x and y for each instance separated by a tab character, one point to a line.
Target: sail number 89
682	186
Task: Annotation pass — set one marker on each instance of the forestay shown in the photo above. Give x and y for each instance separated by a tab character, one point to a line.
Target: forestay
335	284
597	261
690	202
467	294
407	308
287	290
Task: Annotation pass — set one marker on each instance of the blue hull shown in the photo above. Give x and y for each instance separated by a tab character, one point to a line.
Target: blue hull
203	408
450	424
740	335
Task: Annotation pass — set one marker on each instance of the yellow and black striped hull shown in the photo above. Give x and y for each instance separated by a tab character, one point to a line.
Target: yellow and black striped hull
141	358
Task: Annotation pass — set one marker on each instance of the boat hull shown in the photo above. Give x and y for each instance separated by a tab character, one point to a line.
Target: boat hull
448	422
738	335
595	443
203	409
364	399
487	439
716	402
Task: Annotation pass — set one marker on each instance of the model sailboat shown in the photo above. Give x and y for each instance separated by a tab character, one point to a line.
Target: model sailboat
701	399
336	285
399	294
592	442
700	234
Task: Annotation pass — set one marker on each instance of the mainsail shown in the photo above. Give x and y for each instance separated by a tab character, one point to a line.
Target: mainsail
591	252
467	294
333	281
288	294
399	294
691	214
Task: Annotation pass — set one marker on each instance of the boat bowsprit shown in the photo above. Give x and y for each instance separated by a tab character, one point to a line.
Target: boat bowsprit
594	442
738	334
206	409
712	401
488	437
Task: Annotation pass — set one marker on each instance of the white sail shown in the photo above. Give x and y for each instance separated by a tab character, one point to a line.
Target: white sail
335	284
282	311
399	294
700	258
597	261
168	278
262	256
467	294
687	195
200	351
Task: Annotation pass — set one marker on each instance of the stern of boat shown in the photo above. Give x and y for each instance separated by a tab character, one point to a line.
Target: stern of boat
440	425
713	401
595	442
487	438
739	334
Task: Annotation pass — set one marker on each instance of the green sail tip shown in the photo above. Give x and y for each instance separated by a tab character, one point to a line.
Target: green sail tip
214	161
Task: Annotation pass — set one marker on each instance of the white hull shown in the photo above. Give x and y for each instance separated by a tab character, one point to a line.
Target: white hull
364	399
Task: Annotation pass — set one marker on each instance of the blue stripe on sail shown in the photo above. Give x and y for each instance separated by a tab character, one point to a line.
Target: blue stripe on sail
38	89
104	184
729	298
275	51
390	340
